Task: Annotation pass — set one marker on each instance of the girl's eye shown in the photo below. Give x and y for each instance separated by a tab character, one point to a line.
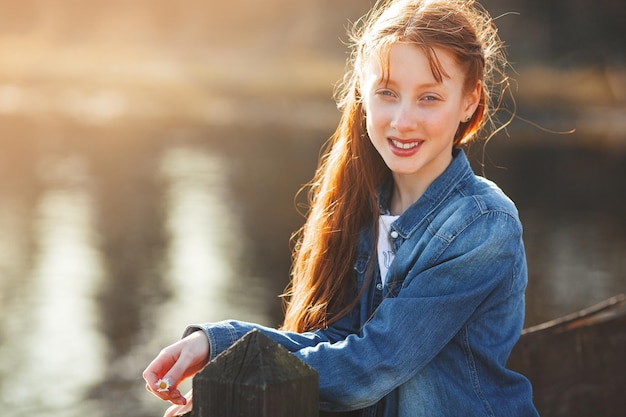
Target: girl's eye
430	97
385	93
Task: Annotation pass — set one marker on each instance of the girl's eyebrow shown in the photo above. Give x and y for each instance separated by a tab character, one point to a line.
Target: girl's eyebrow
390	82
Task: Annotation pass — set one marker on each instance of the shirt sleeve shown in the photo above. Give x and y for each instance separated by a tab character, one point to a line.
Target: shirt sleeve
222	335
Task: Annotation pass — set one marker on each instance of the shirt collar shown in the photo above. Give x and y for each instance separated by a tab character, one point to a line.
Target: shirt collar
434	195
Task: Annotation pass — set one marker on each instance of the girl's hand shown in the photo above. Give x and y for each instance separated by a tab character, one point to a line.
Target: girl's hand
179	410
176	363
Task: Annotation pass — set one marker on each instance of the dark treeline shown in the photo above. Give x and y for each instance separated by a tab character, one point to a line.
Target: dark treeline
563	32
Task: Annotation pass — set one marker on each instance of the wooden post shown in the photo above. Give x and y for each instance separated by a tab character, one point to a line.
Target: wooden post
256	377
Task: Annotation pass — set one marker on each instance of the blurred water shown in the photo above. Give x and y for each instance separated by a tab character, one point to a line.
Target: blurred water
114	239
50	342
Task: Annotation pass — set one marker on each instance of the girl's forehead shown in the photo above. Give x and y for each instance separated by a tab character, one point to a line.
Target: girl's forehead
402	57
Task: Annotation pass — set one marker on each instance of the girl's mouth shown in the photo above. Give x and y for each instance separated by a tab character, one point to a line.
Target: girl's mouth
405	145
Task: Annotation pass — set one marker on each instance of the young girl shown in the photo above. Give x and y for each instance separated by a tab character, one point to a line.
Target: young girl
408	281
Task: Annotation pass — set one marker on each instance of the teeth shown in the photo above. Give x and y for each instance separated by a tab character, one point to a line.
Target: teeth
401	145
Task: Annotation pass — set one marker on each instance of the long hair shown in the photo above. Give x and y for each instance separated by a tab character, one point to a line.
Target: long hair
341	195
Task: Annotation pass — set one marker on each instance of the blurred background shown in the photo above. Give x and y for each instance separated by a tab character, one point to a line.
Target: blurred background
150	152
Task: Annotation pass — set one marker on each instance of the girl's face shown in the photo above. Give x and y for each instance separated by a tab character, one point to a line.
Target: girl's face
412	118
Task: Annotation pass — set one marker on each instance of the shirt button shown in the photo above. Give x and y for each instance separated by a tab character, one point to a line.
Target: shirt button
393	234
379	286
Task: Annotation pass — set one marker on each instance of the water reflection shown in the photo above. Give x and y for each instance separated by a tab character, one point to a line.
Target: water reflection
204	242
51	349
575	260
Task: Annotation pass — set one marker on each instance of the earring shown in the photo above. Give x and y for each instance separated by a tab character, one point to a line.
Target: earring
467	118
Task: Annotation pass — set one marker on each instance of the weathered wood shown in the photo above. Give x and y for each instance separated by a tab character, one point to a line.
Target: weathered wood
577	364
256	377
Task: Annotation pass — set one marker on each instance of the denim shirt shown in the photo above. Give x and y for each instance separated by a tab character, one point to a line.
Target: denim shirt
435	339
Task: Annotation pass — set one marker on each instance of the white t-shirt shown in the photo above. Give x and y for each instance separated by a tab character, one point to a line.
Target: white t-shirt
385	251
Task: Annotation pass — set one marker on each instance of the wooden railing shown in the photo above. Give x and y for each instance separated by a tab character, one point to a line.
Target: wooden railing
577	363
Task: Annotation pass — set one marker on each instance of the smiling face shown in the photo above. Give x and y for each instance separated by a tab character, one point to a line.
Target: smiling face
411	117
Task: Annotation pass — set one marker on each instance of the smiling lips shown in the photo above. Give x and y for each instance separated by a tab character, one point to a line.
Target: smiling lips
405	145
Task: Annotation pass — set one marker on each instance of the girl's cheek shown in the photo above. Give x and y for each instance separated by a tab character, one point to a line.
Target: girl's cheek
381	113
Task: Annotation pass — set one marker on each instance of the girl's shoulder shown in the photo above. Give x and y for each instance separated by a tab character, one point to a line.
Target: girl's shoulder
478	208
486	196
475	202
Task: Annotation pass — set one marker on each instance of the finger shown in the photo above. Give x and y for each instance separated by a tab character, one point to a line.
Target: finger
178	410
183	358
172	394
169	391
179	361
174	364
166	390
166	367
160	365
175	397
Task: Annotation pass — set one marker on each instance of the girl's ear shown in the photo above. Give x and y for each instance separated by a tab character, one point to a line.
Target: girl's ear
472	100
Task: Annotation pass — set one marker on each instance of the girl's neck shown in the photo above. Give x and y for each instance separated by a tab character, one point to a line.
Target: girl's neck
405	193
408	188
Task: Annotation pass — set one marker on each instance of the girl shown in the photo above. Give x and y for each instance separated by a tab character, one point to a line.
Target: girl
408	281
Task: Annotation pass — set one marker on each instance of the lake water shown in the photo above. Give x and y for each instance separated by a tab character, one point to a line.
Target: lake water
116	236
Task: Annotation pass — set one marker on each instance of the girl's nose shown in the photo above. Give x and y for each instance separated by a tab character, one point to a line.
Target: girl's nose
404	119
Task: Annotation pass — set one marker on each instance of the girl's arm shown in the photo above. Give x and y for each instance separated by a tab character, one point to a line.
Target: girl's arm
453	283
